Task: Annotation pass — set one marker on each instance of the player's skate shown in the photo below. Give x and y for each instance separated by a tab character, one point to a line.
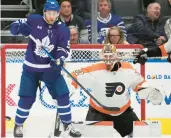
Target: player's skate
69	129
18	131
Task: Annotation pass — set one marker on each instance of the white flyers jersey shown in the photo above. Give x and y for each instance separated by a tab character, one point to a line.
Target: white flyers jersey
109	88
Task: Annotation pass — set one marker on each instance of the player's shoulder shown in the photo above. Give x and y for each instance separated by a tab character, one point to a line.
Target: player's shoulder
126	65
61	25
34	17
99	66
94	67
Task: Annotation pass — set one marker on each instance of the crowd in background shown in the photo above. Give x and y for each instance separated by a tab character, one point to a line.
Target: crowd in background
146	28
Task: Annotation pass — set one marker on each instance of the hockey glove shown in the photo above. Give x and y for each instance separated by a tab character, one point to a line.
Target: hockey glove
56	64
141	57
154	95
24	29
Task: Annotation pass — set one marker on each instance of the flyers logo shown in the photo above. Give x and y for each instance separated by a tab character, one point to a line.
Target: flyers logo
117	88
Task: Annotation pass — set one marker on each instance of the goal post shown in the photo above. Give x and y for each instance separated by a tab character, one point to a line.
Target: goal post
14	54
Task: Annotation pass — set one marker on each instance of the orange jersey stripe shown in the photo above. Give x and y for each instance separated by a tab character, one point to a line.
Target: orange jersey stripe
139	86
100	109
102	123
163	51
126	65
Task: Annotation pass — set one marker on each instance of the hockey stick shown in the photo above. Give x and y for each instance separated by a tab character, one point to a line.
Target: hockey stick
75	80
120	59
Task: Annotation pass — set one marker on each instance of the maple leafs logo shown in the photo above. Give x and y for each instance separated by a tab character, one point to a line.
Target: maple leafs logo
46	44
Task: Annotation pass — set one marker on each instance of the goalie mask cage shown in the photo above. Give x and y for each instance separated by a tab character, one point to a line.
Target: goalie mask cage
14	54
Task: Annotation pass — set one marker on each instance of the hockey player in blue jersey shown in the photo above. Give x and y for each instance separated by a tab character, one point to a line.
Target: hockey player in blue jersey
37	66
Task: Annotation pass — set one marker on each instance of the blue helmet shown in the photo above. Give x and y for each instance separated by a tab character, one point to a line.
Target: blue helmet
51	5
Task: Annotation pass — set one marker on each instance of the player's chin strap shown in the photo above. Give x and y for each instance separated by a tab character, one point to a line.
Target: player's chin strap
75	80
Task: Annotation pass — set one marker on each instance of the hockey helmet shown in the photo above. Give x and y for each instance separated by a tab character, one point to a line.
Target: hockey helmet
51	5
109	54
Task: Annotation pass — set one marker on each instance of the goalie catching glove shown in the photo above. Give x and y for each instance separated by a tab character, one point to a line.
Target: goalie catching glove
154	95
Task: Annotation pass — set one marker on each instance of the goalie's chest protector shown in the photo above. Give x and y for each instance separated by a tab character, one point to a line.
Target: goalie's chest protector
109	88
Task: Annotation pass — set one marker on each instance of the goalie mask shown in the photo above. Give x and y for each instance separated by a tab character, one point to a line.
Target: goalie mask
109	55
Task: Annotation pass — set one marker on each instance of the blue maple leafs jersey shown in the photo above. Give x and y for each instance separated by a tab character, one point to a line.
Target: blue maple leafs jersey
55	39
103	26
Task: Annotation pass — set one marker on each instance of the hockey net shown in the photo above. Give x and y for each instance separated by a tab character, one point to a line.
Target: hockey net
12	57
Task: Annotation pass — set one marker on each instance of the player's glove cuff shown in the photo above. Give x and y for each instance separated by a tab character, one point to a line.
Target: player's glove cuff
56	64
25	29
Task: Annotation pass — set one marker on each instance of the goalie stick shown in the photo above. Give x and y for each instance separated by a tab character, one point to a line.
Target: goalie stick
120	59
75	80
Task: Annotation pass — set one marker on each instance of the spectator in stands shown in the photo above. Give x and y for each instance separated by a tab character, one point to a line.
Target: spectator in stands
169	2
105	20
148	29
82	8
74	36
74	39
68	18
115	36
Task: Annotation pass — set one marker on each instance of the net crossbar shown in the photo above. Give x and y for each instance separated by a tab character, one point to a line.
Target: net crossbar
15	53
